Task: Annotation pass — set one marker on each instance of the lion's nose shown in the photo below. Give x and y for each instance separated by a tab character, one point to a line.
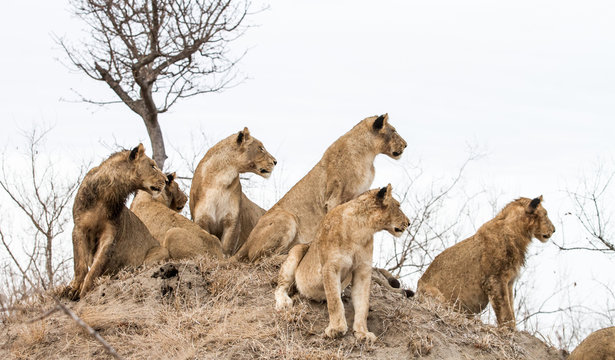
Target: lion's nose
275	162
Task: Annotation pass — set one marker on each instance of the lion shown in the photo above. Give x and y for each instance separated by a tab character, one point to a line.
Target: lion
345	171
483	268
180	236
217	203
599	345
107	235
342	253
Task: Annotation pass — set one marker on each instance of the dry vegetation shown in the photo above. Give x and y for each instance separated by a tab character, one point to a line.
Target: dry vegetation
221	310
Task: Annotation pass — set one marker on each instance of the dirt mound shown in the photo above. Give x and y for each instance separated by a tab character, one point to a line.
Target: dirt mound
207	310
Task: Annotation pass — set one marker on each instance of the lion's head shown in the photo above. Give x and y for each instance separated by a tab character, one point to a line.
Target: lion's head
387	212
146	171
539	223
252	155
172	196
388	141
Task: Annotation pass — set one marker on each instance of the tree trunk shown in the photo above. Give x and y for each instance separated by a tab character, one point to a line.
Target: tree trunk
155	136
49	262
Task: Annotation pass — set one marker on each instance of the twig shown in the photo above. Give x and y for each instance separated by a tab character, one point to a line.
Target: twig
44	315
88	328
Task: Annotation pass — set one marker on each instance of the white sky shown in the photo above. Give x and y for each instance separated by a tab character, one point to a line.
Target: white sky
531	83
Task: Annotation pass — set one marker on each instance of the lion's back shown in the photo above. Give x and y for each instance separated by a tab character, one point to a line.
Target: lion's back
132	242
599	345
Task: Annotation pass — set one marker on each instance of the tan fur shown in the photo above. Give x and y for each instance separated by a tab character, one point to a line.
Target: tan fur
599	345
180	236
341	253
345	171
217	203
108	236
483	267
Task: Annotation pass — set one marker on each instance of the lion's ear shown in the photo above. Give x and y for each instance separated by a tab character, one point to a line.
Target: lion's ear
243	136
381	193
137	152
533	205
170	178
384	193
380	122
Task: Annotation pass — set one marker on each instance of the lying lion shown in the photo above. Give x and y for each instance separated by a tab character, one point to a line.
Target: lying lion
217	203
599	345
483	267
108	236
180	236
345	171
341	253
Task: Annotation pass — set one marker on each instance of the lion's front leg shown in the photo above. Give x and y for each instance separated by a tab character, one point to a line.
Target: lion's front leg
230	233
498	292
332	284
361	282
107	237
80	255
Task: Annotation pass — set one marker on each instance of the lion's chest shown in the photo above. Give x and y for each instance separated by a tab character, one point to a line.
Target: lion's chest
220	204
363	178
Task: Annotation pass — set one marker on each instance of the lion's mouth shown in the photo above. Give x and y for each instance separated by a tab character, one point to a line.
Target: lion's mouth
265	171
398	230
397	153
155	188
546	236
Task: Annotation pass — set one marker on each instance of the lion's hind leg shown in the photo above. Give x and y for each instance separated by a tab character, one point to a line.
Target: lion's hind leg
286	278
182	244
156	254
274	233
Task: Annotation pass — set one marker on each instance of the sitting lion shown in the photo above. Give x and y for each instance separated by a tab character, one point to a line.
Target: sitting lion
483	267
217	203
180	236
108	236
345	171
342	252
599	345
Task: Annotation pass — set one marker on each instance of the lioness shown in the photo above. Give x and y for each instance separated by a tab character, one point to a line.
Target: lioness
108	236
180	236
599	345
342	252
483	267
345	171
217	203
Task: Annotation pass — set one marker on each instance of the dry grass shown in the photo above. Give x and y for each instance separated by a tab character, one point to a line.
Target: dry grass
226	311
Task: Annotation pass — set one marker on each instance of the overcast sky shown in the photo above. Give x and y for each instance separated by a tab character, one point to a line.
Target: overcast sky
530	83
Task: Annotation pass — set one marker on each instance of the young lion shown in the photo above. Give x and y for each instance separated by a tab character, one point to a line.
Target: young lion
345	171
599	345
342	252
107	236
483	267
180	236
217	203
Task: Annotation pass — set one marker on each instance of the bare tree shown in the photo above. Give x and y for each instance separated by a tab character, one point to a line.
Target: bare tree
43	197
590	207
152	53
432	225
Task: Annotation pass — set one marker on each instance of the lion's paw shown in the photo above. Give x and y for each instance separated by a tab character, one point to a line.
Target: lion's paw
334	332
367	336
283	302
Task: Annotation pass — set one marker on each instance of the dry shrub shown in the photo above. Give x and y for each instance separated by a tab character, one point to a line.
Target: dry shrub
420	344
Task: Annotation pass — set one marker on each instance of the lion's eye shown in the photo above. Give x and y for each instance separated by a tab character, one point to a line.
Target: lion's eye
261	148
